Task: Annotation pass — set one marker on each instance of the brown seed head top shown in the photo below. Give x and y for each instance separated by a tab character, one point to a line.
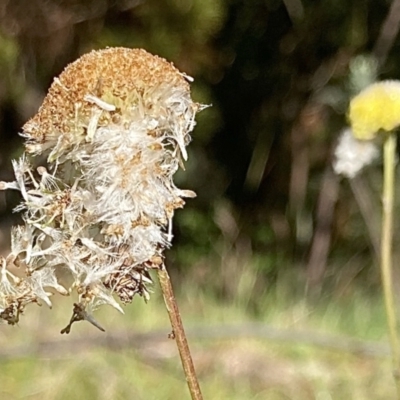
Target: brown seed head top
114	75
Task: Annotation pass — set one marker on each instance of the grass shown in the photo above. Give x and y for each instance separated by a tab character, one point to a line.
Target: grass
241	368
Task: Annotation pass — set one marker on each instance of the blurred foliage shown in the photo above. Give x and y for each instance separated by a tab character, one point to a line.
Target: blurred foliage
294	350
278	75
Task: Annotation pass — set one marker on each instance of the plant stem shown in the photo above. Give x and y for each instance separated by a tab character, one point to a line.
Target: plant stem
389	149
178	333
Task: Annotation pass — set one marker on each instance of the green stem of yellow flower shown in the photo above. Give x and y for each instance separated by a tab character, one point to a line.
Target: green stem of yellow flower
389	150
178	333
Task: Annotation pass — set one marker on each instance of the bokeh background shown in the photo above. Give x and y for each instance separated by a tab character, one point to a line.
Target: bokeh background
275	261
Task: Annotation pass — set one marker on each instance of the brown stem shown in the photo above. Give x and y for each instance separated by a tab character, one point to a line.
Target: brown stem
179	333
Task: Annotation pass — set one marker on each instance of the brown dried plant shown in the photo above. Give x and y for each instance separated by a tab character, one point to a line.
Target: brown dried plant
114	129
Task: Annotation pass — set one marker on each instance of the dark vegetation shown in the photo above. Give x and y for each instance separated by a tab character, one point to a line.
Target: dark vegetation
277	75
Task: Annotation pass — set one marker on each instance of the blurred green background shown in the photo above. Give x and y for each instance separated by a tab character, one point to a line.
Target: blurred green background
274	262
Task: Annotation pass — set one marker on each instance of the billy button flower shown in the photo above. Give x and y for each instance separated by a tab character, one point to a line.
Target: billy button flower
373	111
376	110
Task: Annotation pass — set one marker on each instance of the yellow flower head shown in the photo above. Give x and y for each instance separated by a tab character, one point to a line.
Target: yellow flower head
376	108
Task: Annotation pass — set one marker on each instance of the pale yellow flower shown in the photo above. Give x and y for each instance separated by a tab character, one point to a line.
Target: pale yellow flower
376	108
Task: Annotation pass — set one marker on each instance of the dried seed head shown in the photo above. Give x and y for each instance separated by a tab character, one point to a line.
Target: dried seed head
113	78
115	126
352	155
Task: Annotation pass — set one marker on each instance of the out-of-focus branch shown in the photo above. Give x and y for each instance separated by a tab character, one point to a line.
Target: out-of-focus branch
295	9
122	340
388	33
322	236
362	195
